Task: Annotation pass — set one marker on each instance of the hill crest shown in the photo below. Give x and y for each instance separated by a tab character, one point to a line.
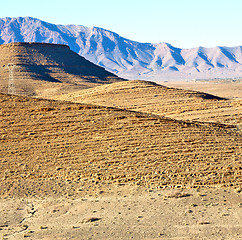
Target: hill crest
42	67
152	98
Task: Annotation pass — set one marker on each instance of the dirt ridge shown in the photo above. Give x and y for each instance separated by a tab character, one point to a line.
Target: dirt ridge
57	148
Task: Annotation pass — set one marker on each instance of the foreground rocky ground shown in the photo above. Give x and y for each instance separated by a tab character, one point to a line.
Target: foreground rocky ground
126	213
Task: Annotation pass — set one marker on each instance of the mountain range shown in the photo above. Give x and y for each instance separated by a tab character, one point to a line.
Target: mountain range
126	58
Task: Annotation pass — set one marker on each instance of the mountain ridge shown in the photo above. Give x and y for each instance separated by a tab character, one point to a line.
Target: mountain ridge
128	58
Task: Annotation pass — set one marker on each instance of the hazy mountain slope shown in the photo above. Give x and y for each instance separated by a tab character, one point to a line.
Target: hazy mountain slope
41	68
128	58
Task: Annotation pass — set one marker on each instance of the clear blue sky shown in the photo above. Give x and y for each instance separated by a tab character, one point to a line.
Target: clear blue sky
182	23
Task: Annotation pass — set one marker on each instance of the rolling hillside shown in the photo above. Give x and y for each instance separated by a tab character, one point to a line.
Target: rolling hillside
58	148
170	102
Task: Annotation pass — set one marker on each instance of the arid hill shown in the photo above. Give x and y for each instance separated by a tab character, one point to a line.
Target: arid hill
42	69
171	102
56	148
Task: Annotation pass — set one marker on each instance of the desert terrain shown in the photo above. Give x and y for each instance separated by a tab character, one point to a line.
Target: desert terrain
126	213
87	155
82	171
127	58
176	103
226	88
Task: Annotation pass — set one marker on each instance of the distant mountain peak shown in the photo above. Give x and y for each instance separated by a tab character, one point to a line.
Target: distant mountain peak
124	57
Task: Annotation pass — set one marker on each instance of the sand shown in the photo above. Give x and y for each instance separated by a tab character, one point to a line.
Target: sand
126	213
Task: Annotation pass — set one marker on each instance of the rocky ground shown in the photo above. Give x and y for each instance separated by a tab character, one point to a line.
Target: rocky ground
227	88
50	146
126	213
80	171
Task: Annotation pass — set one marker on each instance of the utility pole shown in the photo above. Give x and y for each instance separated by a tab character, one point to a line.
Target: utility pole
11	85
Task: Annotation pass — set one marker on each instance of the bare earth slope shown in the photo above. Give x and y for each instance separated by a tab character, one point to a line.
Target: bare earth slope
51	147
78	171
43	69
165	101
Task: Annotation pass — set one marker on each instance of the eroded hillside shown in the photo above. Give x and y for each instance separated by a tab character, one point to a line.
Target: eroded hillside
41	69
165	101
52	147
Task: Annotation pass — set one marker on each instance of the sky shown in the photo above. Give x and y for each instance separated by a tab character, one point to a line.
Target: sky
182	23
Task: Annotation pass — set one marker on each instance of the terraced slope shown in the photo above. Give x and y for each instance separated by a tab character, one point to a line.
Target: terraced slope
170	102
43	69
52	147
